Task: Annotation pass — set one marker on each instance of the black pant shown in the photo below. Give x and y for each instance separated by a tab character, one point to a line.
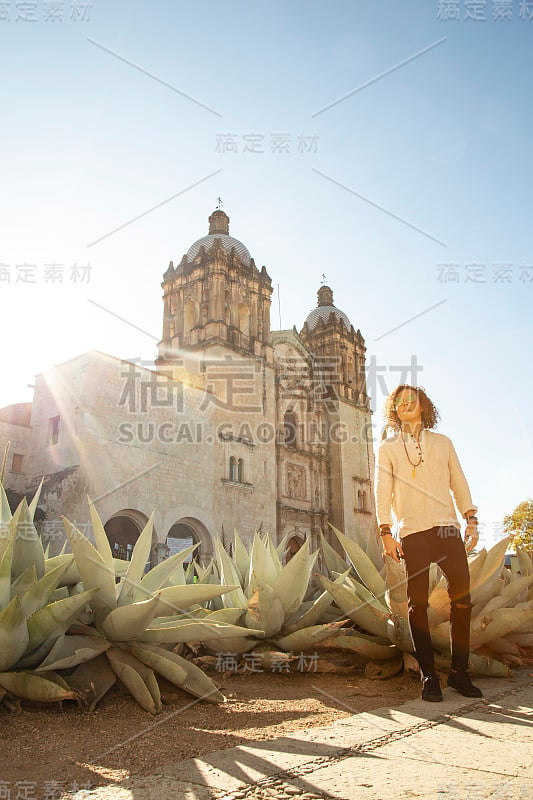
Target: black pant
444	546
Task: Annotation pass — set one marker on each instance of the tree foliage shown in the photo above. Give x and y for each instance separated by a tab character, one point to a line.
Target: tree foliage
519	525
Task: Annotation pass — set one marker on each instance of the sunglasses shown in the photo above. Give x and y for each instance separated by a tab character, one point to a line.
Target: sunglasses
412	398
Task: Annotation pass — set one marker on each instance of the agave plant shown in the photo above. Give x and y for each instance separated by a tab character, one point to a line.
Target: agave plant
29	622
136	621
274	601
502	613
103	626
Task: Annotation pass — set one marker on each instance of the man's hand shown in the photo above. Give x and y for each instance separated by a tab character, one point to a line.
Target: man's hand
392	548
471	536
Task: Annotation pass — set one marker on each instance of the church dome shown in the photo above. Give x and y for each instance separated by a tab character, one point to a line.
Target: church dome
324	309
219	229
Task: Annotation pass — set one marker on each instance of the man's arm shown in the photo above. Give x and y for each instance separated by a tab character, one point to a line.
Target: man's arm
463	499
384	486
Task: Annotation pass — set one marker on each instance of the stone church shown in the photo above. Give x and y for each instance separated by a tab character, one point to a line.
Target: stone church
234	426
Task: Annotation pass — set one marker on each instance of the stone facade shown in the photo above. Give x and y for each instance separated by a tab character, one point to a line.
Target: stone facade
236	427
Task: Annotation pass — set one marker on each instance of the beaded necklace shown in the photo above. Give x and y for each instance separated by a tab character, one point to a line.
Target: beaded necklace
420	460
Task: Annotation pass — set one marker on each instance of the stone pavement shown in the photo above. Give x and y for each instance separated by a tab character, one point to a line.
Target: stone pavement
459	749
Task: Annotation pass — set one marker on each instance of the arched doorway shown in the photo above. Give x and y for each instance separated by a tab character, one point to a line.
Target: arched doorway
293	545
187	531
123	530
179	537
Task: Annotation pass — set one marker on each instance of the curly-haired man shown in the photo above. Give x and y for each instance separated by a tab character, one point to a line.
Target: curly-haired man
417	472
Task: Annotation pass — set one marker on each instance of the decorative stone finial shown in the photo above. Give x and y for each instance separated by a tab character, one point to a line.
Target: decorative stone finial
219	222
325	296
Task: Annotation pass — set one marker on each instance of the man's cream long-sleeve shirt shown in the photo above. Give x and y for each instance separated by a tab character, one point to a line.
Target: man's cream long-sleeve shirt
425	500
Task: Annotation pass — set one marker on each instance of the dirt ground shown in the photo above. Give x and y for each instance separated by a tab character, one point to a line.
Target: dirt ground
46	750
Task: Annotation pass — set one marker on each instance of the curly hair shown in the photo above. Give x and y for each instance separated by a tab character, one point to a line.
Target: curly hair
430	415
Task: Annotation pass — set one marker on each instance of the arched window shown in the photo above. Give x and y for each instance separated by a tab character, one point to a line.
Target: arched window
233	469
240	470
289	428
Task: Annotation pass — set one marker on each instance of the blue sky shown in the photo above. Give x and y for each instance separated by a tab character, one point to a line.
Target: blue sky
441	143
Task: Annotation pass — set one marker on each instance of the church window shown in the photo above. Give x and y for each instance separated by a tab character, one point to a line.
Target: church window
233	469
54	429
289	428
240	470
16	464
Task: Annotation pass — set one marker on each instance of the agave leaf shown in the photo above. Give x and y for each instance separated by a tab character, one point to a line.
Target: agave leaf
5	519
72	575
399	634
156	659
160	574
365	648
307	638
24	581
484	589
37	595
196	682
281	547
439	604
316	610
334	562
262	568
27	546
396	582
13	634
100	537
193	631
137	677
362	565
5	574
491	667
34	688
175	599
49	622
497	624
509	593
265	610
139	560
293	580
69	651
274	555
93	679
231	615
241	557
33	505
128	622
524	561
229	574
189	573
93	571
366	616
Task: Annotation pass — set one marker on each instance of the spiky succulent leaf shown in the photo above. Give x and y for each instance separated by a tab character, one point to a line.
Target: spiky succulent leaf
93	570
139	560
158	576
126	623
27	545
362	564
265	610
37	595
49	622
137	677
69	651
292	582
14	635
32	687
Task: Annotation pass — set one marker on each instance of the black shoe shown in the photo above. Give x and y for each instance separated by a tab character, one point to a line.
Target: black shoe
462	683
431	690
